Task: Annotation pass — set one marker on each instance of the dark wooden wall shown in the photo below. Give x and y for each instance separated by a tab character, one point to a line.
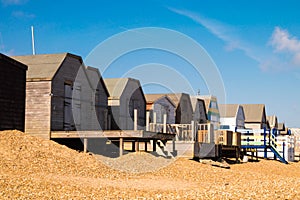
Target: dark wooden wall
12	94
101	105
66	74
184	111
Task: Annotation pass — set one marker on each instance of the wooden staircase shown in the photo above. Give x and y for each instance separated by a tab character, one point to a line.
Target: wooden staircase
262	139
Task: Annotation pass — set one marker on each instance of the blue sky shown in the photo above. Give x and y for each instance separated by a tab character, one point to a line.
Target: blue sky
254	44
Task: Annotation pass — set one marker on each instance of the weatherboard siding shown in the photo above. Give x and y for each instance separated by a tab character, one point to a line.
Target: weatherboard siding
38	112
163	106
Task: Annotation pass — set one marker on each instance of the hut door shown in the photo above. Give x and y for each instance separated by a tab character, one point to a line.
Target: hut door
68	119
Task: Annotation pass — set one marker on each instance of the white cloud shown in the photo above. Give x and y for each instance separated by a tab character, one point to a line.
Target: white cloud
13	2
224	32
214	27
286	54
23	15
283	42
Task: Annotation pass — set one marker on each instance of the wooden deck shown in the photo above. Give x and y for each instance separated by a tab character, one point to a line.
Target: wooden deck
134	136
126	134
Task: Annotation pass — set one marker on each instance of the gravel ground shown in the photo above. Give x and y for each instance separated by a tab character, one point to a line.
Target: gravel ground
33	168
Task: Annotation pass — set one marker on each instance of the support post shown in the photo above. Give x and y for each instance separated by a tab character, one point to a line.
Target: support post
173	145
135	120
209	133
165	124
146	146
154	117
154	121
121	146
265	143
133	146
147	121
154	145
85	145
137	146
237	154
193	130
283	149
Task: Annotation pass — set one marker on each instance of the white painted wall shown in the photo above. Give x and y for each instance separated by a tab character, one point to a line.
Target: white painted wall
229	121
233	122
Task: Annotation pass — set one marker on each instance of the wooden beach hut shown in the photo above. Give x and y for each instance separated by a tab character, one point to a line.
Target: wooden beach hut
232	116
272	121
199	110
12	93
255	116
160	105
212	109
281	126
184	109
100	100
126	95
58	94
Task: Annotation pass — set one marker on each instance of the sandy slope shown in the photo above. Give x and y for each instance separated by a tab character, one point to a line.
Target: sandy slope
33	168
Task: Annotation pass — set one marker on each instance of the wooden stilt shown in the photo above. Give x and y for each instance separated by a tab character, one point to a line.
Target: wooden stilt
147	121
85	145
237	154
173	145
165	124
121	146
133	146
135	119
137	146
154	145
146	147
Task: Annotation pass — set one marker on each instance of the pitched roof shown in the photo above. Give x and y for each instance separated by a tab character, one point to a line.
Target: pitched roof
207	99
253	112
228	110
175	97
13	61
195	100
151	98
281	126
91	73
272	120
116	86
43	66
